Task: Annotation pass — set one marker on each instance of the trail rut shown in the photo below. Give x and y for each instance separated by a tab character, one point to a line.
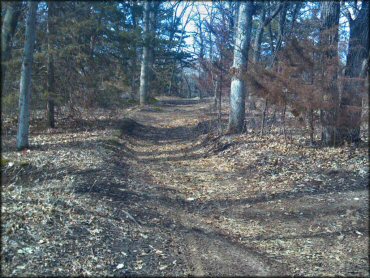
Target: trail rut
204	250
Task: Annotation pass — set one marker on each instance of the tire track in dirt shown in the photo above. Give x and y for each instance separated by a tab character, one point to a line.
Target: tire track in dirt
209	253
206	252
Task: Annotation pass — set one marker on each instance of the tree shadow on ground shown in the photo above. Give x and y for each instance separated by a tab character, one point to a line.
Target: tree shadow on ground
359	185
143	206
181	102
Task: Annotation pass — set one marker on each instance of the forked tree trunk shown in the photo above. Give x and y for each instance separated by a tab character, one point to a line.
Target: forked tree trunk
257	52
26	73
241	48
258	40
355	74
329	44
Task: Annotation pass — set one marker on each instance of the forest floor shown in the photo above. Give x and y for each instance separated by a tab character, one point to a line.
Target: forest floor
171	197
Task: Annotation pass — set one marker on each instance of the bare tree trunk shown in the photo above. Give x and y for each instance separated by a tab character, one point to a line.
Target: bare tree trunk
257	52
133	76
26	73
183	30
258	39
215	91
7	32
187	83
351	99
50	65
273	120
219	116
282	19
264	117
241	48
264	22
295	12
329	42
284	128
311	126
134	58
144	76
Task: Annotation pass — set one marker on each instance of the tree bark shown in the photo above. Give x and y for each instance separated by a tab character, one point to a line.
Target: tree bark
351	100
9	25
144	75
257	52
134	58
329	43
50	65
241	49
258	38
26	73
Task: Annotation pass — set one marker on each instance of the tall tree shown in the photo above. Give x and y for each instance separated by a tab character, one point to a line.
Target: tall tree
153	20
50	64
329	44
355	71
134	10
181	39
144	75
10	21
241	49
26	73
262	24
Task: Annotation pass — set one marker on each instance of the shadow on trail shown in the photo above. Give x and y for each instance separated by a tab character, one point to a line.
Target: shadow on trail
143	203
151	136
167	134
182	102
359	185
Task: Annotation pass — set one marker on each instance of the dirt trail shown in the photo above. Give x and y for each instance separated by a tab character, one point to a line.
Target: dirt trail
154	146
169	198
227	230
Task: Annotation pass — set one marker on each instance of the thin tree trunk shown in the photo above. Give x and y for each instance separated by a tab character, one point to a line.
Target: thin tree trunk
264	117
273	120
257	52
50	66
134	57
271	36
282	19
189	88
311	126
241	48
26	73
177	51
264	22
153	11
296	10
219	116
259	34
284	128
144	75
215	92
329	42
9	25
